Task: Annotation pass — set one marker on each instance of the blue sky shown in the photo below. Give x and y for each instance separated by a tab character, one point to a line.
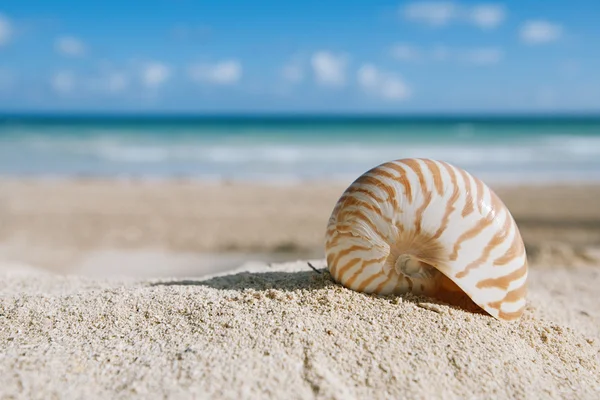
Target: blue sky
309	56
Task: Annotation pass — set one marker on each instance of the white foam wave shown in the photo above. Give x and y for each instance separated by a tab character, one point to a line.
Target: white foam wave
332	154
535	159
575	145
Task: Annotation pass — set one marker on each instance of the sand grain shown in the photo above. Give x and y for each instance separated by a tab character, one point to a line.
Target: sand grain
284	332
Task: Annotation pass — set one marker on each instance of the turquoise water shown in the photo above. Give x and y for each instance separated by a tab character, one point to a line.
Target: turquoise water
292	149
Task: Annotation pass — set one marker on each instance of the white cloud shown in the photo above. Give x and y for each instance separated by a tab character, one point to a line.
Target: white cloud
106	81
222	73
70	46
367	76
329	69
434	13
405	52
383	84
5	30
441	13
440	53
483	56
539	32
487	16
292	72
112	79
63	82
155	74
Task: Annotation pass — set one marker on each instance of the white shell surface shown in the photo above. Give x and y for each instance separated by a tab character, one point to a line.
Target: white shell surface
401	222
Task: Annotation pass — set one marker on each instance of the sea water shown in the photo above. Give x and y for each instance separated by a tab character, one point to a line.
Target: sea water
294	149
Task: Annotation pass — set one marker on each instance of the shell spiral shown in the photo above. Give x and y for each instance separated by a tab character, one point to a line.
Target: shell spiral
427	227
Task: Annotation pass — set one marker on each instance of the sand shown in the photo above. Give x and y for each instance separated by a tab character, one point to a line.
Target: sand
286	331
70	223
87	311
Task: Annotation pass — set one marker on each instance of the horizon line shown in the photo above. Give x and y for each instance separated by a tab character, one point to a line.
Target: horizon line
148	115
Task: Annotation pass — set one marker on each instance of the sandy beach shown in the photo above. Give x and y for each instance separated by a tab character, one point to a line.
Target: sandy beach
169	175
182	289
66	225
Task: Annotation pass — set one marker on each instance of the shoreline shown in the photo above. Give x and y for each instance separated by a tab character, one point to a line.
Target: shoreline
282	182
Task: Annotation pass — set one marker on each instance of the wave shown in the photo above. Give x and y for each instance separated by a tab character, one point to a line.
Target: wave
571	149
532	158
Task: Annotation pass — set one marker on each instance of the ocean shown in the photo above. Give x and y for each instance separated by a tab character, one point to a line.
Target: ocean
293	149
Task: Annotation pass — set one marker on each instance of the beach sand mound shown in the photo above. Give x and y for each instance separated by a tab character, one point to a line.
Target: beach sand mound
286	331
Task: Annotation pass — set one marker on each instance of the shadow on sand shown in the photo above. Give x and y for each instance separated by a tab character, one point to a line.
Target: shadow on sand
314	279
311	279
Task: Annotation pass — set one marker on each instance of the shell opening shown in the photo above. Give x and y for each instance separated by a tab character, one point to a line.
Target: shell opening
440	286
411	267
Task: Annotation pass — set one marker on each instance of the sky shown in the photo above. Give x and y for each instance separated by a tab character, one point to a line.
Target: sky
306	56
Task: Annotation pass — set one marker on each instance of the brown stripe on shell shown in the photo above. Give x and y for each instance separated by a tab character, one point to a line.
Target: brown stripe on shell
451	201
330	262
480	194
352	190
339	227
420	211
510	297
436	173
359	215
402	179
471	233
516	249
370	280
416	167
331	230
341	270
497	205
372	178
335	265
390	275
364	264
427	195
399	227
338	233
348	250
350	200
509	316
503	282
391	192
469	207
498	238
333	241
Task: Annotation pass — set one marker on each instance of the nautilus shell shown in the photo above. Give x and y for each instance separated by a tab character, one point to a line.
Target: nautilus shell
427	227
